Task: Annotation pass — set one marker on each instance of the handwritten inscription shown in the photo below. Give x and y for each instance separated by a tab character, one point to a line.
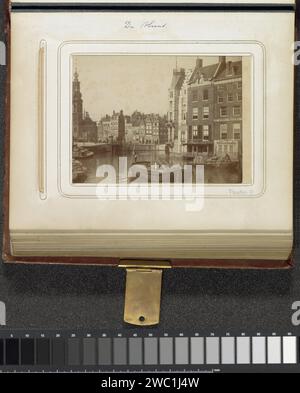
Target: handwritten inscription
240	192
147	25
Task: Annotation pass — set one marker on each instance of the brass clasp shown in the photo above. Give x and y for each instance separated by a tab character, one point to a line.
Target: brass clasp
143	291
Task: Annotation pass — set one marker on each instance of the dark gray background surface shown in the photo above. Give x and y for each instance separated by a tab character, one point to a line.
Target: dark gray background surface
93	297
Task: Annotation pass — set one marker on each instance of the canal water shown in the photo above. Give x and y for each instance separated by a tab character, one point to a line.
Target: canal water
211	174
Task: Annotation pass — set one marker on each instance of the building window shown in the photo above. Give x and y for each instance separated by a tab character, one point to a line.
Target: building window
223	131
236	111
195	113
205	112
220	98
195	131
205	132
239	96
205	95
230	97
190	132
195	95
223	111
239	85
171	94
170	116
236	131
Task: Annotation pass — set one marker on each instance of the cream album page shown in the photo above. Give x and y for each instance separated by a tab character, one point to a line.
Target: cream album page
152	124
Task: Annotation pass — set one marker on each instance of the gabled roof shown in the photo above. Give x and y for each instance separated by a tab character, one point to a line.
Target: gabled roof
208	73
236	67
105	118
217	71
137	122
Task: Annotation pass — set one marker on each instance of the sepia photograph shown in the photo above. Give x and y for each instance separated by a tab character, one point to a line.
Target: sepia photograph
161	112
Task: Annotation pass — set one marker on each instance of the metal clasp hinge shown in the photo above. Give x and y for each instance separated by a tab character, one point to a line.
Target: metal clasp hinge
143	291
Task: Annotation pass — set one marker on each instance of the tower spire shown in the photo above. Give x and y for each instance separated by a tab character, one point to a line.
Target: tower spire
76	75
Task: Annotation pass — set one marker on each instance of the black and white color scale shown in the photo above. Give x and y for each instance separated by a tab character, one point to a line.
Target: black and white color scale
105	351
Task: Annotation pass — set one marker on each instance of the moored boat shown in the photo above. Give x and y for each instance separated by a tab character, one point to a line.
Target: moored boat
81	152
79	172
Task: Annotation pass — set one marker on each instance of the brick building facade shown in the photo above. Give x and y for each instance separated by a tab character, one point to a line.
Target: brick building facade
214	115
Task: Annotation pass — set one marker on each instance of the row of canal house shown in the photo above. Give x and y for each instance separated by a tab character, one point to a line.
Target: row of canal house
205	109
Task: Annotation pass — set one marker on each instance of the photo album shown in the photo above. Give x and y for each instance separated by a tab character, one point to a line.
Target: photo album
149	138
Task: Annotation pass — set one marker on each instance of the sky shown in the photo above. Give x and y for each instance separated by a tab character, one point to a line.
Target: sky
112	82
